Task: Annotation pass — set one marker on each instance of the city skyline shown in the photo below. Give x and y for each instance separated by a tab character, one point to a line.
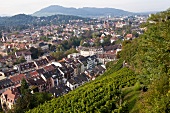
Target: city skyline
31	6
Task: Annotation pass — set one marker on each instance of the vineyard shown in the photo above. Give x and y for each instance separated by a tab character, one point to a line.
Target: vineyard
119	89
102	95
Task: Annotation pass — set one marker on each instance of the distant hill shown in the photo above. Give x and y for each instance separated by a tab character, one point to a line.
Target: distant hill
22	21
84	12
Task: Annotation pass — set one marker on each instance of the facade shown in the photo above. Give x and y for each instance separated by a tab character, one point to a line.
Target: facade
17	79
5	84
25	67
9	97
25	54
89	51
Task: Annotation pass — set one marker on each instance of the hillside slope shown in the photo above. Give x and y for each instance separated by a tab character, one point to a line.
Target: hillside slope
119	90
101	95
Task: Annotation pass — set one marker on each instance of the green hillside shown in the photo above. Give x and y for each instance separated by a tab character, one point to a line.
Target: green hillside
102	95
143	86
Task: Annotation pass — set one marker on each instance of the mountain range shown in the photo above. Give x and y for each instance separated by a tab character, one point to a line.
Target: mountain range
83	12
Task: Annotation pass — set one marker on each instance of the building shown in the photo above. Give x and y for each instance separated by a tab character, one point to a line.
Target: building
25	67
5	84
89	51
25	54
16	80
9	97
39	63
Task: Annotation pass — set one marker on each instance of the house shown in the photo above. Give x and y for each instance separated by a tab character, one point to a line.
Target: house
56	75
25	67
100	69
92	74
76	66
16	80
41	63
128	37
37	84
9	72
89	51
73	55
47	77
83	77
25	54
9	98
88	62
91	61
49	58
71	83
59	90
66	71
34	74
112	47
106	57
5	84
40	71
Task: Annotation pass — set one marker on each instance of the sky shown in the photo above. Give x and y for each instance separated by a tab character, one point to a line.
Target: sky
10	7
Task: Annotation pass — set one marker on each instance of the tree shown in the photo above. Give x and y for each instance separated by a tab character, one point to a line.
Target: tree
58	55
97	42
52	47
34	52
134	33
24	87
70	51
40	98
20	60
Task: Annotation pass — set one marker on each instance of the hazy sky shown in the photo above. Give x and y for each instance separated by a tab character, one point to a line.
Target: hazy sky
11	7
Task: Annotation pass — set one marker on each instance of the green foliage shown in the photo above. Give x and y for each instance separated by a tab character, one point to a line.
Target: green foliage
22	21
113	67
52	47
61	54
57	55
36	52
101	95
24	87
137	86
157	99
149	55
110	64
20	60
45	38
40	98
27	100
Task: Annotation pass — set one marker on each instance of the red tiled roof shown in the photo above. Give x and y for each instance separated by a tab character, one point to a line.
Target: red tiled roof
49	68
129	35
17	78
11	94
34	73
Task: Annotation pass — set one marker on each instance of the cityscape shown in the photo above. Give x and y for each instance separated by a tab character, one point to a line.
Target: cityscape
108	57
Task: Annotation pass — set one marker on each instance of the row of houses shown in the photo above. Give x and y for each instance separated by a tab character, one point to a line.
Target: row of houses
103	54
57	78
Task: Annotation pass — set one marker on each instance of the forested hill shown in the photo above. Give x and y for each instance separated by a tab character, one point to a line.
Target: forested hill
142	86
83	12
22	21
